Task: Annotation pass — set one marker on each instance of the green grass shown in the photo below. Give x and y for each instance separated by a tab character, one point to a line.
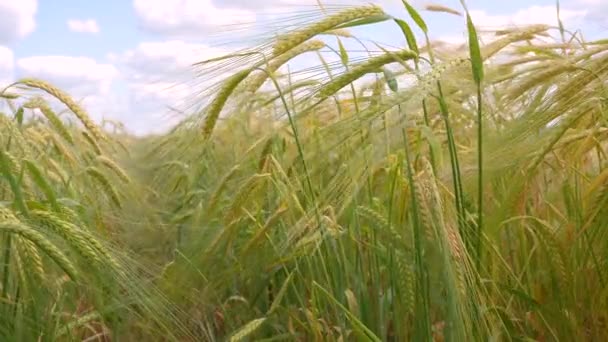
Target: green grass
439	194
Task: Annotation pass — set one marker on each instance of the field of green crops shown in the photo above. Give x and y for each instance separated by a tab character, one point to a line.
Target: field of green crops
426	193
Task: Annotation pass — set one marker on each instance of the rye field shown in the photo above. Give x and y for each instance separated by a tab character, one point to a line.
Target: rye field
422	192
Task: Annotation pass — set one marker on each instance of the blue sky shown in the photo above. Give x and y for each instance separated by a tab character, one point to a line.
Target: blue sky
124	58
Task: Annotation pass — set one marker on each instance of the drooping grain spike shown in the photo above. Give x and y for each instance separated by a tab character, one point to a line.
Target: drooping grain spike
29	249
106	185
42	243
92	142
292	39
247	329
217	104
60	95
84	243
258	80
213	201
55	121
110	164
40	180
371	65
242	194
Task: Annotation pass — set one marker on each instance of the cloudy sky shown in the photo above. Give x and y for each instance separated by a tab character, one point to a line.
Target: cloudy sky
122	58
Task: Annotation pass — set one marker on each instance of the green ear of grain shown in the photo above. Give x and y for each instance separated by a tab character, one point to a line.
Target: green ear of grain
343	53
365	21
41	182
277	301
478	74
216	106
107	186
219	189
372	65
475	51
409	35
9	96
42	243
80	240
416	17
5	169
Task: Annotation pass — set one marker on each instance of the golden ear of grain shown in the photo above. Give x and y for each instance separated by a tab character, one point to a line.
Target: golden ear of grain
60	95
106	185
441	8
63	151
37	137
292	39
10	130
247	329
92	142
340	33
512	36
55	121
7	215
14	164
423	195
110	164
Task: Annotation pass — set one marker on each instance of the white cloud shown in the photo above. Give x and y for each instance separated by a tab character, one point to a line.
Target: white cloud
527	16
111	106
81	75
453	39
151	59
138	87
186	17
160	76
83	25
153	104
258	4
91	83
6	66
546	15
597	11
18	19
